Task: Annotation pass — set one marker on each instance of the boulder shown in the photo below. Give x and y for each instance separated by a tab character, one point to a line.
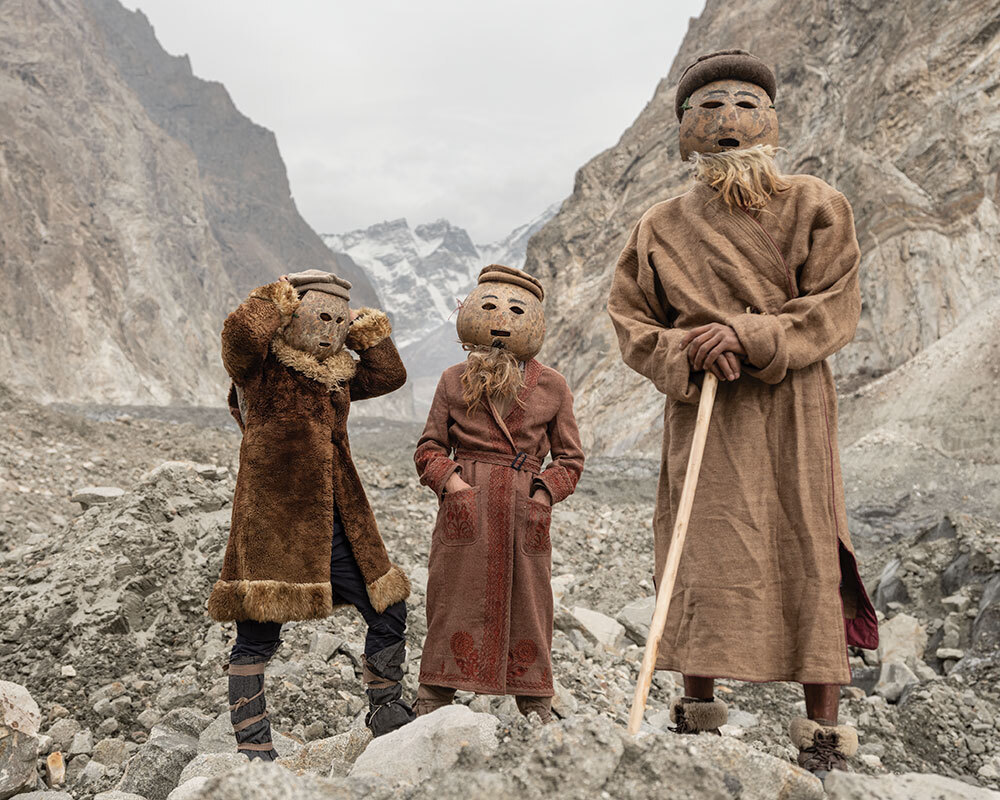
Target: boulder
324	644
208	765
18	752
42	795
154	770
189	790
908	786
62	732
427	746
262	779
218	737
607	631
96	495
333	756
18	710
900	638
110	752
894	679
635	617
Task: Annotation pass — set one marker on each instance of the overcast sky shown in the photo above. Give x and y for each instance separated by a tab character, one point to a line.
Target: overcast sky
477	112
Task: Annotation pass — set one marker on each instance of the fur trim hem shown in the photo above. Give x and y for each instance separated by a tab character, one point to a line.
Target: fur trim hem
370	327
283	295
332	372
803	732
708	716
391	588
269	601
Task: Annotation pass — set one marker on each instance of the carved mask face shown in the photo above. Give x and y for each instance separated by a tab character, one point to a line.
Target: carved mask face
319	326
727	115
503	315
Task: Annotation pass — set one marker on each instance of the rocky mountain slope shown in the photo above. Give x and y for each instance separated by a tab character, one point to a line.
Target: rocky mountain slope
104	626
421	275
893	105
137	206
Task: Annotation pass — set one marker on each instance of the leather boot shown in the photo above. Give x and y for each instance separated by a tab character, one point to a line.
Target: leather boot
693	715
823	746
248	707
540	705
383	672
431	698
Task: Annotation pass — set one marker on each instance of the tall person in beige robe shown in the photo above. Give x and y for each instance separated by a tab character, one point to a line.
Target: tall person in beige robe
754	276
493	421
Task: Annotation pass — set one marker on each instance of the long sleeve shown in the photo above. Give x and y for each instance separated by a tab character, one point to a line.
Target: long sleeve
640	314
824	316
247	331
380	370
433	454
561	475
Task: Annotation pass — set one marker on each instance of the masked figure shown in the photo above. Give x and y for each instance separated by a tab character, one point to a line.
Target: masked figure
493	421
753	275
303	538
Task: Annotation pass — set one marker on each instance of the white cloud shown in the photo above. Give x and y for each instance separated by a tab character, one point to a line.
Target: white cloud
478	112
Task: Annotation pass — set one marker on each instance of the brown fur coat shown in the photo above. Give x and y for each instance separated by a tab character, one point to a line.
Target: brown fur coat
295	464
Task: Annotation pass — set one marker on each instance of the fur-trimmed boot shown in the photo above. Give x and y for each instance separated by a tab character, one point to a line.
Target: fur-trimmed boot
383	672
431	698
822	747
248	707
694	715
540	705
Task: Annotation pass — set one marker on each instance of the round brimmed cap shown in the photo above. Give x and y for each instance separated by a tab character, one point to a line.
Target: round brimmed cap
738	65
498	273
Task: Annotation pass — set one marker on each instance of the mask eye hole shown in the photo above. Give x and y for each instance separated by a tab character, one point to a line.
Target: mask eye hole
746	104
711	104
517	309
489	306
340	320
325	317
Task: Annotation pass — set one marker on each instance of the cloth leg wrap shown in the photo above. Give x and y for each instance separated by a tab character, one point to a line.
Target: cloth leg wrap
248	707
383	672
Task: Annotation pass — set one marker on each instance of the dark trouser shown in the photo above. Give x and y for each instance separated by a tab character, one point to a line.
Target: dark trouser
261	639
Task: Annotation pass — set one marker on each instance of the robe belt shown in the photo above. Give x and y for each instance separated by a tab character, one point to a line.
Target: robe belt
517	461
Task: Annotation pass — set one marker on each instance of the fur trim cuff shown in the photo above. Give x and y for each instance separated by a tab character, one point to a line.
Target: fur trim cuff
332	372
703	716
391	588
283	295
269	601
370	327
803	732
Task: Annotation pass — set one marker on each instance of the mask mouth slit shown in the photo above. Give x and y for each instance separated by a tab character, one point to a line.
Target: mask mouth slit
499	333
324	344
729	142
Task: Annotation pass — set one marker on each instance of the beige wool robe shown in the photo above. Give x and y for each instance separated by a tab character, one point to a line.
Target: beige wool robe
768	587
489	591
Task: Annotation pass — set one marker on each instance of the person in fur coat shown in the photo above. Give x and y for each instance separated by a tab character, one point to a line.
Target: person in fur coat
493	421
303	538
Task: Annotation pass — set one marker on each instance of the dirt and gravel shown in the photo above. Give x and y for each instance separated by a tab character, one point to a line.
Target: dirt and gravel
103	623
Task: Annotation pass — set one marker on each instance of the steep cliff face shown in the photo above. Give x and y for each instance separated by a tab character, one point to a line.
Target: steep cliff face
895	105
137	207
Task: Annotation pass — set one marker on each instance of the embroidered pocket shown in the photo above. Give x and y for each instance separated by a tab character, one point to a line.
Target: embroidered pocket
537	521
458	517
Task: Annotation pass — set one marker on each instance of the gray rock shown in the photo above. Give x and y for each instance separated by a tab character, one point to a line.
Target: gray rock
82	744
324	644
154	770
110	752
895	678
607	631
186	721
333	756
636	616
96	495
18	710
260	779
89	776
62	732
208	765
18	754
43	795
900	638
188	790
117	794
427	746
909	786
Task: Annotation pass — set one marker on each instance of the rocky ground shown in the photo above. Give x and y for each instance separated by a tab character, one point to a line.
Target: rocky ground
103	624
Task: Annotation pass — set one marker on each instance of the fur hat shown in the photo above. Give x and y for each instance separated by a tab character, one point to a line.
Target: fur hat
316	280
498	273
723	65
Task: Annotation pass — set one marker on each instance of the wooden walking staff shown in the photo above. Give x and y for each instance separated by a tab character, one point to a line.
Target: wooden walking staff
665	586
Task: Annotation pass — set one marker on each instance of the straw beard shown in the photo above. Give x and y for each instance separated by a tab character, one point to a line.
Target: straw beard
491	372
744	178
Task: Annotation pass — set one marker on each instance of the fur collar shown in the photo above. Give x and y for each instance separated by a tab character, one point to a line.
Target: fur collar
333	373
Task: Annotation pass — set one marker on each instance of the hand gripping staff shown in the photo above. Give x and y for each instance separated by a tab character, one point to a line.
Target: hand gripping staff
665	587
